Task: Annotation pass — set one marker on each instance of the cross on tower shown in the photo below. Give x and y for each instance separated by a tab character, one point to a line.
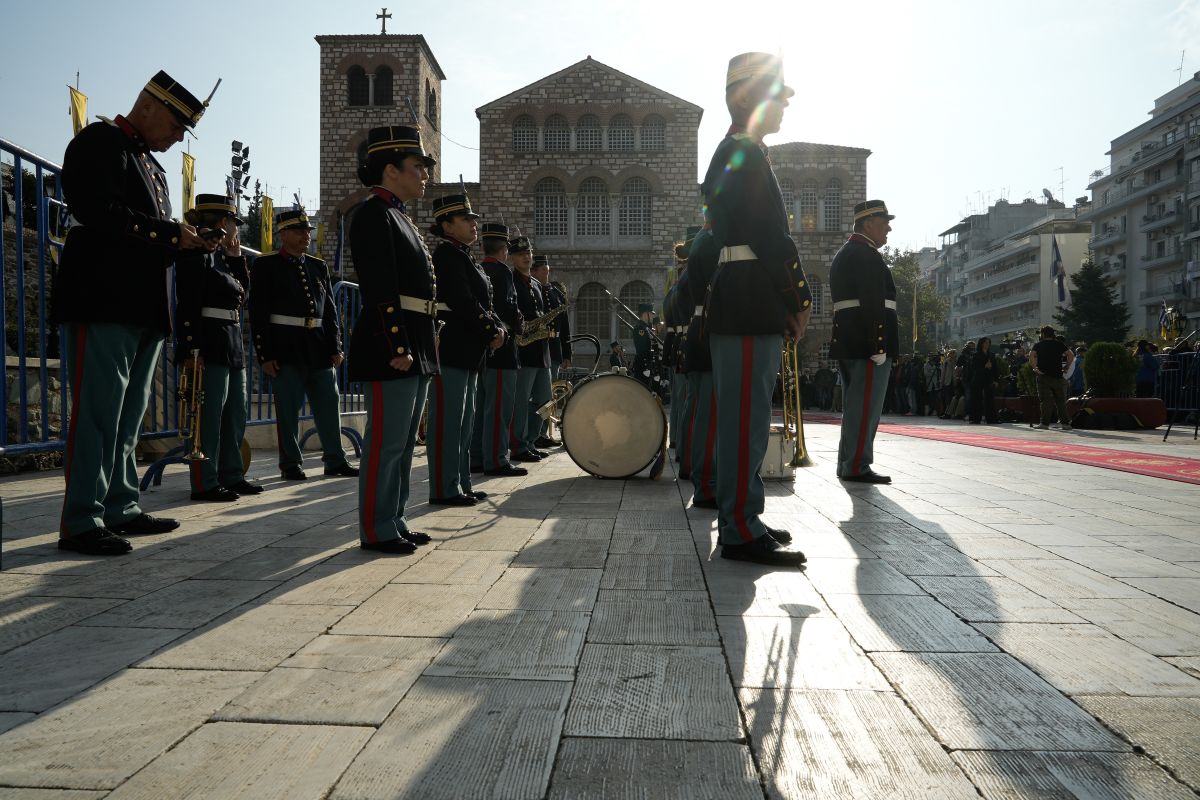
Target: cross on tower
384	17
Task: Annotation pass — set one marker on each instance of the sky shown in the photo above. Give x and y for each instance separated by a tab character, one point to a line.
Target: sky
961	102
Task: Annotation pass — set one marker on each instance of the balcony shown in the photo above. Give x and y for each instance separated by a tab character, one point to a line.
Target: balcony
1169	294
1000	302
1152	222
1193	231
1193	187
1110	235
999	252
1020	271
1154	260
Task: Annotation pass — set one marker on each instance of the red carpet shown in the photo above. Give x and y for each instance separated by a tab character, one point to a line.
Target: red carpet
1169	467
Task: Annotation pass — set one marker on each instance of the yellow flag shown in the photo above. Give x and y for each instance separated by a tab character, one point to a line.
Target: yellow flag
189	181
78	109
267	211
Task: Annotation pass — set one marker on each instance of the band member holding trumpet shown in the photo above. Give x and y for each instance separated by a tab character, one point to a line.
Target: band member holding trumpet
702	422
210	290
758	295
471	330
502	365
533	379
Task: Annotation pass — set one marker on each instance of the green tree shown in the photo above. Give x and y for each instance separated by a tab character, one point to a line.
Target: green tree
1095	314
931	306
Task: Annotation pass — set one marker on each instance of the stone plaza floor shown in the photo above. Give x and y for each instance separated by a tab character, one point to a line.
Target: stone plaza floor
991	625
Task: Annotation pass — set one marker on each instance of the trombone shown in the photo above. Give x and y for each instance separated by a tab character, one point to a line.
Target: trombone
793	413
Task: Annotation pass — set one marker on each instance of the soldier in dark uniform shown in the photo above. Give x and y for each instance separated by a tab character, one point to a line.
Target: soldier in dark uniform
702	421
865	337
211	289
535	357
677	310
471	330
759	294
560	349
298	341
643	344
110	294
392	351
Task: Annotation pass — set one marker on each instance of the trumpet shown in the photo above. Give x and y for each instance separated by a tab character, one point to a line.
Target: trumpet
190	392
793	414
539	328
560	390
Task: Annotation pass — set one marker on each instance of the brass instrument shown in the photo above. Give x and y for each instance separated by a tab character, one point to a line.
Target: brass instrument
539	329
793	405
190	392
552	411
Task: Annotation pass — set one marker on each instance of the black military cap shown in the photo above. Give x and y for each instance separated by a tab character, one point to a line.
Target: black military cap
646	308
521	244
397	139
293	218
494	230
182	103
871	208
541	260
452	204
219	203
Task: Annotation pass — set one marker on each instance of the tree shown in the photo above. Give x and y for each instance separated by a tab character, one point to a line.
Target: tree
1095	314
931	306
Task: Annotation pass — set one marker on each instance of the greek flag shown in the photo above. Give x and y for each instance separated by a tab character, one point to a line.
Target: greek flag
1058	276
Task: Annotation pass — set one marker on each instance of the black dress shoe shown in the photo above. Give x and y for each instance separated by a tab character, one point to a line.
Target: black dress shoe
456	500
96	542
245	487
546	441
414	537
217	494
507	471
700	503
764	550
540	454
526	456
399	547
476	468
478	495
342	471
779	535
293	474
145	525
867	477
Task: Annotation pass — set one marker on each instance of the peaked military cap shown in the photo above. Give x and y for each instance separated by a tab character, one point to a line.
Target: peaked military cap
871	208
397	139
217	203
646	308
520	244
758	67
494	230
183	104
293	218
540	260
451	204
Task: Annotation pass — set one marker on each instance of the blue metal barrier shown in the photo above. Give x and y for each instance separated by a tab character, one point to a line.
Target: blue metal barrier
1178	385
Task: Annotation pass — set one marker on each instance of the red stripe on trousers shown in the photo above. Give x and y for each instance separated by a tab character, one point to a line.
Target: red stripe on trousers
439	389
197	478
373	466
855	465
743	467
496	418
710	442
76	389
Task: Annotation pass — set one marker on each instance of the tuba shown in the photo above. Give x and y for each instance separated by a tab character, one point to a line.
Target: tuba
190	392
793	413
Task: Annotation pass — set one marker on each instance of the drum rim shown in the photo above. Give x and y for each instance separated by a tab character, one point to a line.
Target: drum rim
661	413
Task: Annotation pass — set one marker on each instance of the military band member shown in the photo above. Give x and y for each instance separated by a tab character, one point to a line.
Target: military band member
865	336
560	347
677	309
298	342
110	295
702	421
471	330
643	340
211	290
533	379
392	351
758	295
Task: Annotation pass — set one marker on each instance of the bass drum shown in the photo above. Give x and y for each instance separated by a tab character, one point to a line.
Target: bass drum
612	426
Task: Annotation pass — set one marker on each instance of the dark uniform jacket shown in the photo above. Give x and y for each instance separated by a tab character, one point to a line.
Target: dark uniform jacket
702	263
560	343
859	273
470	322
210	280
115	260
669	323
391	260
504	301
745	207
294	286
529	300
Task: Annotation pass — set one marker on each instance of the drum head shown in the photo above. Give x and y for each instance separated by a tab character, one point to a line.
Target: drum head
612	426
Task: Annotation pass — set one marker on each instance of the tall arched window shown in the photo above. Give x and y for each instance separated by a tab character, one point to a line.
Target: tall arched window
620	133
833	206
592	218
633	294
524	134
654	133
588	135
430	102
818	300
358	88
383	86
550	208
557	136
808	206
593	314
633	217
788	189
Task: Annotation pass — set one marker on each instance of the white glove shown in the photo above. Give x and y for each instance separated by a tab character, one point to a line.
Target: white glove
879	358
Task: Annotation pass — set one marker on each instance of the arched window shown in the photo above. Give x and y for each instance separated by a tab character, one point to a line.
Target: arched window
358	88
833	206
593	215
633	217
808	206
383	86
430	102
788	189
588	135
557	136
524	134
633	294
654	133
550	208
620	133
593	313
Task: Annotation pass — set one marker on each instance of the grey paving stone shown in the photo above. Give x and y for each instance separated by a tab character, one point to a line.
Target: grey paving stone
336	680
590	490
796	653
636	571
255	638
257	762
905	623
23	619
565	553
455	738
857	576
990	701
1045	536
654	542
883	533
599	769
51	669
822	544
827	744
1167	728
1157	545
1121	562
944	525
1154	625
653	692
937	559
1180	591
544	589
559	527
1067	776
496	536
269	564
48	794
995	545
600	510
187	604
112	731
217	546
539	645
1060	579
627	616
1189	664
342	584
127	580
651	520
459	567
989	599
11	719
321	537
742	589
412	609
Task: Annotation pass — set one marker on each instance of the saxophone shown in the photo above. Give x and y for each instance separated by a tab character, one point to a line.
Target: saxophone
539	329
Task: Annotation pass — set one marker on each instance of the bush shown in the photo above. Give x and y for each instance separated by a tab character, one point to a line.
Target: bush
1109	369
1027	381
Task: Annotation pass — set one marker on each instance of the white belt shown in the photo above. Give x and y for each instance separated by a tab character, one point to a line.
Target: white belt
698	311
229	314
296	322
841	305
419	305
738	252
